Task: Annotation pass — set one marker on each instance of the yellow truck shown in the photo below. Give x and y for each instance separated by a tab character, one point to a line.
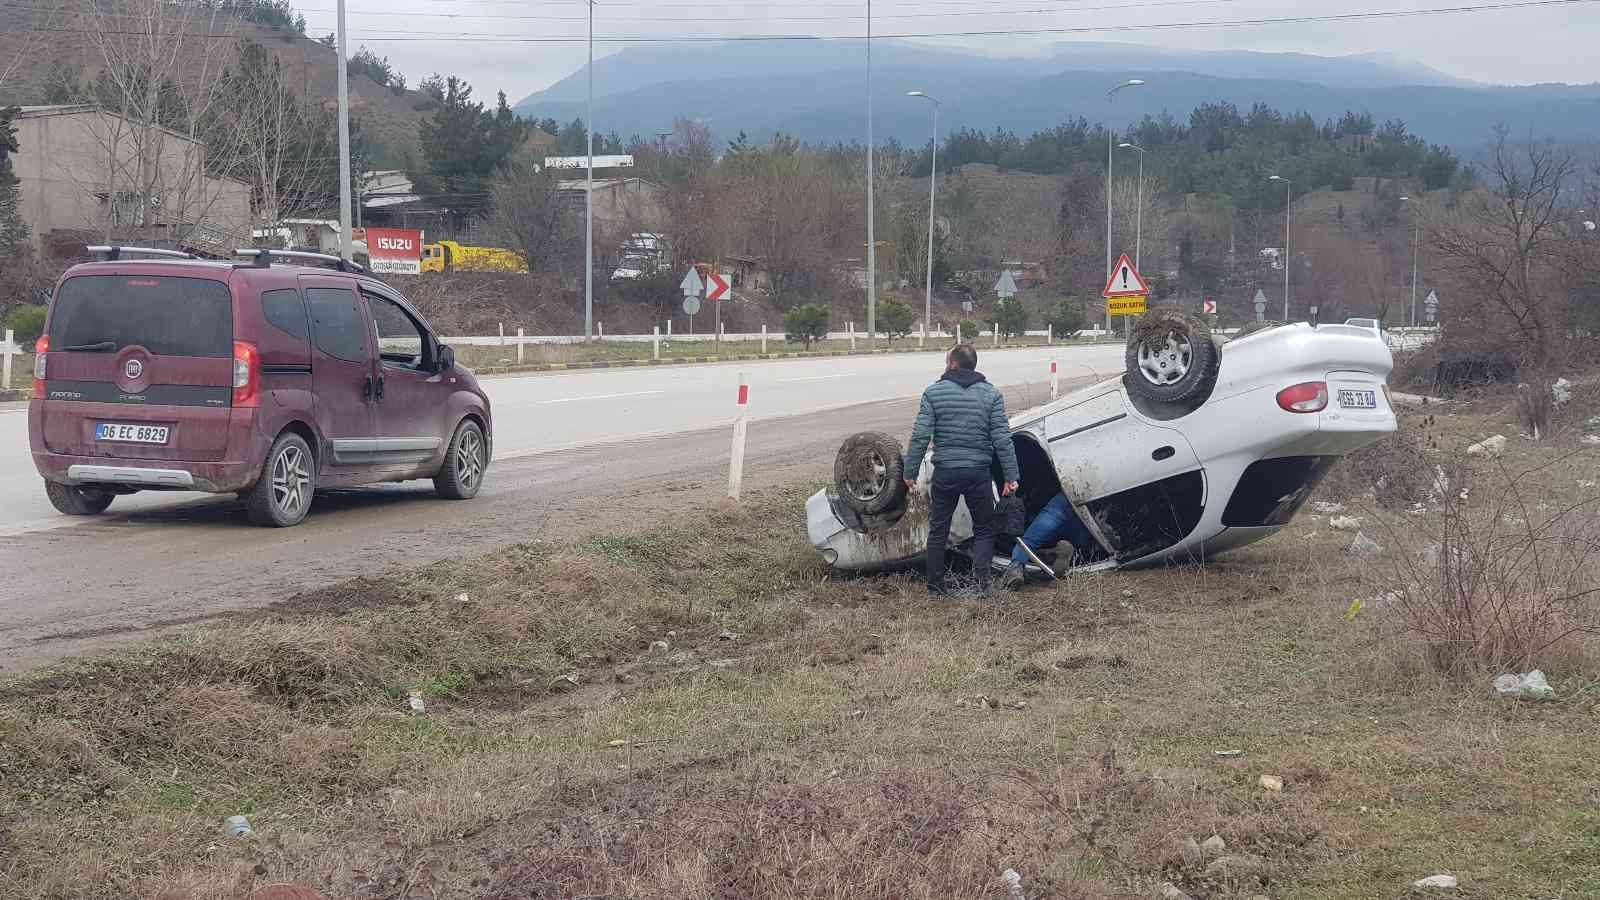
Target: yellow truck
449	256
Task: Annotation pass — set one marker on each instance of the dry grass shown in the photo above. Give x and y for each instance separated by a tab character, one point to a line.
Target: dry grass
851	741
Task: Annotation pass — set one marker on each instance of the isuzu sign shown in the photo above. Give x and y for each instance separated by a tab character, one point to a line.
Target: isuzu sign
395	251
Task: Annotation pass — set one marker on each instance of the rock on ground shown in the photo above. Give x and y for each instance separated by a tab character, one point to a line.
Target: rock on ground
1489	446
1170	891
1272	782
1443	882
1236	868
1214	846
1344	523
1190	851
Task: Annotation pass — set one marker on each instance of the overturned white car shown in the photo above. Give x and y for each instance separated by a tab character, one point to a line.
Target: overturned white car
1200	447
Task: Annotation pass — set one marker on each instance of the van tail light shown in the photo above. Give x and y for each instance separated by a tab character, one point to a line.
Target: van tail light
40	348
246	374
1310	397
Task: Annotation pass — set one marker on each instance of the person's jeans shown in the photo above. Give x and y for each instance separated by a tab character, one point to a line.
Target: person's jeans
950	486
1057	522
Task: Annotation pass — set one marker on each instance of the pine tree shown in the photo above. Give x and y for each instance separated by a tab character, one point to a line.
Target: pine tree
13	231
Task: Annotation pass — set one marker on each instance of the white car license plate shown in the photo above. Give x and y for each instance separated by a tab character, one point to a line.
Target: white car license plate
1358	399
131	434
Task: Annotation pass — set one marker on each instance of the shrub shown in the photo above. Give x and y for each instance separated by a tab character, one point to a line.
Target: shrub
1011	316
969	330
27	321
1067	318
807	322
895	318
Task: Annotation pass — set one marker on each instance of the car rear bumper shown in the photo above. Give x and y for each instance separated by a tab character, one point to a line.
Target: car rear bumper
211	477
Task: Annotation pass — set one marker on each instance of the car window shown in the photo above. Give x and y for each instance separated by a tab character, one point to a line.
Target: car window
286	311
337	325
167	316
401	341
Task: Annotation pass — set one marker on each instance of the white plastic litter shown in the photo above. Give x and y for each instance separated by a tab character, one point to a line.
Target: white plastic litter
1561	391
1013	880
1445	882
1494	445
1528	686
1344	523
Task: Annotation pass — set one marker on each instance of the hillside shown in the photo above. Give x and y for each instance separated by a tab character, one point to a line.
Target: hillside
733	88
42	47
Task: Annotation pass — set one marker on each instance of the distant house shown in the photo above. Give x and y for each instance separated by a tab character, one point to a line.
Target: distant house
89	175
633	203
539	142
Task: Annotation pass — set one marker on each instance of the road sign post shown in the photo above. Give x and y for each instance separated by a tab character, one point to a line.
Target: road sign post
1261	305
1006	287
1126	292
716	291
692	287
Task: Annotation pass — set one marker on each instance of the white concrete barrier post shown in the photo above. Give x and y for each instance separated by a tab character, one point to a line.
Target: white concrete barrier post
736	461
669	331
1050	334
502	334
922	335
519	345
763	340
1055	381
655	343
602	327
958	332
7	351
997	334
852	336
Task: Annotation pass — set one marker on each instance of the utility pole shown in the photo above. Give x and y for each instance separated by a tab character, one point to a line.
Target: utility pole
344	138
1138	228
872	243
1132	82
1288	206
1416	243
588	196
933	181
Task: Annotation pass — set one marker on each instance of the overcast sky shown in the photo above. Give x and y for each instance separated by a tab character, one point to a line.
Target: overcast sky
1514	46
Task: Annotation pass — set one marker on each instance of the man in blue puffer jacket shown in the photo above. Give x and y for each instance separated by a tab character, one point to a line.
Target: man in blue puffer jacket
965	416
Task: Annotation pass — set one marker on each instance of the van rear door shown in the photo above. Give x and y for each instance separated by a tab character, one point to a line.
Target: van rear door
140	366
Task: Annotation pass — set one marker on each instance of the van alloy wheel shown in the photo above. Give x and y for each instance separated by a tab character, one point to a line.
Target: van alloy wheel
291	481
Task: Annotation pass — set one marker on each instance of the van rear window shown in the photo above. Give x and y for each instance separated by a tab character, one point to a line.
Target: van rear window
167	316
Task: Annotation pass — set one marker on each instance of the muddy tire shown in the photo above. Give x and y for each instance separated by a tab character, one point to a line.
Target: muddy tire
281	497
1253	327
77	500
869	473
465	462
1171	359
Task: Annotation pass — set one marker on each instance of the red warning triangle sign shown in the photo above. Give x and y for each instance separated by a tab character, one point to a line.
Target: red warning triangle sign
1125	280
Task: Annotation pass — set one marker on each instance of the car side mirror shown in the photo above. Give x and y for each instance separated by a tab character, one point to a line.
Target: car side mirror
447	358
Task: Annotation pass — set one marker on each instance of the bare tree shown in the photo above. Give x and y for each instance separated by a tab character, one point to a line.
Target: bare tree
531	216
1502	244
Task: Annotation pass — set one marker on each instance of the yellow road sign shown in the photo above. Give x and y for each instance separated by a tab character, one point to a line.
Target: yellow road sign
1135	305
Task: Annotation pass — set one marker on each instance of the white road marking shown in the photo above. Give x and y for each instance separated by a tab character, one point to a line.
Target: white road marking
600	397
817	378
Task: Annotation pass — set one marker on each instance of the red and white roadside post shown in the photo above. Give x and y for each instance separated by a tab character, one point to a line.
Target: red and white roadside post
736	461
1055	380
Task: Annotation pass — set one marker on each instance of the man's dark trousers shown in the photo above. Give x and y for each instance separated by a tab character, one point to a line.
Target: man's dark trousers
949	486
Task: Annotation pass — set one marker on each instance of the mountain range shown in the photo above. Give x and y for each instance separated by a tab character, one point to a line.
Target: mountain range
815	90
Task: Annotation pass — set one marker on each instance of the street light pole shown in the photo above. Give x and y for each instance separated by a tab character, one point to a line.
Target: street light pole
1138	228
872	242
344	138
1132	82
933	181
588	197
1416	242
1288	204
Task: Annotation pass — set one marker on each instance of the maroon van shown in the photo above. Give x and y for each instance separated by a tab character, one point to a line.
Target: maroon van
257	378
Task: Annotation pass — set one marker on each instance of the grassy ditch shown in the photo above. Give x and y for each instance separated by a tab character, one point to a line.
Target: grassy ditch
805	735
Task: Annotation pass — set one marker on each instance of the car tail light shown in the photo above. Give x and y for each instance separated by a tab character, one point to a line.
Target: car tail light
40	348
246	374
1309	397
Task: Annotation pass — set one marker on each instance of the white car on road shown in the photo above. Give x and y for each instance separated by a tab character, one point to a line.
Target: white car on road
1200	447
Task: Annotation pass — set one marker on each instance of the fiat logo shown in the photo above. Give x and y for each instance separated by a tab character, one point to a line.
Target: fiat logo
133	369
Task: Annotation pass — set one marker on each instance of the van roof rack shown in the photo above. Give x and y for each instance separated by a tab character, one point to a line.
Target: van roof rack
261	258
111	254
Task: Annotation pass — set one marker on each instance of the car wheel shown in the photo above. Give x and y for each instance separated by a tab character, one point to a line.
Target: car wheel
869	473
465	461
1171	358
76	500
281	497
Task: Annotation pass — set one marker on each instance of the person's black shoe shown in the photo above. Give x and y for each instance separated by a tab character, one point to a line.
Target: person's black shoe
1013	577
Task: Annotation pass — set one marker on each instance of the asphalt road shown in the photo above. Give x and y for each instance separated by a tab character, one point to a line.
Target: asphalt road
575	452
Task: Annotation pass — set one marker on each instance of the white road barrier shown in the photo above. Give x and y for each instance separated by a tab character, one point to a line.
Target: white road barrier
1055	380
8	350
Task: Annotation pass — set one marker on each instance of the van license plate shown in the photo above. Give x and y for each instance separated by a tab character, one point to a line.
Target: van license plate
1358	399
131	434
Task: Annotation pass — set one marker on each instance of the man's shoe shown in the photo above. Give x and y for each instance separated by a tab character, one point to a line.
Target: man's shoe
1013	577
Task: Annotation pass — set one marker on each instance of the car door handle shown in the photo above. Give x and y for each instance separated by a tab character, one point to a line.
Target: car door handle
366	388
379	391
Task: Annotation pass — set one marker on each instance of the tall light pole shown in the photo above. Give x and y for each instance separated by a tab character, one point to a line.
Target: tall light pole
933	181
872	241
1138	227
344	139
1416	241
1288	203
1132	82
588	196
